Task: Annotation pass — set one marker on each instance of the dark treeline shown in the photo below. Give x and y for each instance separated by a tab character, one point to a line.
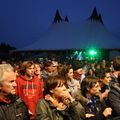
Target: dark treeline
4	47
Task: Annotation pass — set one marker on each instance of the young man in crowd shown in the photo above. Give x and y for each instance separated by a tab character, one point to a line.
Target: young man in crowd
29	87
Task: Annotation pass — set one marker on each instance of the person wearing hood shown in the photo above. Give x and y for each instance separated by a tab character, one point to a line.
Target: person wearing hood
29	87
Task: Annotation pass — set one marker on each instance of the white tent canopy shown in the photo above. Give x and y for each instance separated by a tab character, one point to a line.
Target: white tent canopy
68	36
63	35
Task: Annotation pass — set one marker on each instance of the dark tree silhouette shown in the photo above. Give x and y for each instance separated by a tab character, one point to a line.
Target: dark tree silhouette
6	47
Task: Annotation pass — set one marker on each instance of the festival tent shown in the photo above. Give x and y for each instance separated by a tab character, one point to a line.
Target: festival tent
64	35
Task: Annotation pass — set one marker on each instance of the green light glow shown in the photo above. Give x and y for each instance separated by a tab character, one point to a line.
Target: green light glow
92	52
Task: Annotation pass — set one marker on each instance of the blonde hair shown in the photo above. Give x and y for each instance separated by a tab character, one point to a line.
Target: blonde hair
4	68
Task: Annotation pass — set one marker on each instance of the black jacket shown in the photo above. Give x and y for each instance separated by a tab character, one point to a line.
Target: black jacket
15	110
114	100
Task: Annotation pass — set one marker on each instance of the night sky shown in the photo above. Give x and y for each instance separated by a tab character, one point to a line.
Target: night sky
23	21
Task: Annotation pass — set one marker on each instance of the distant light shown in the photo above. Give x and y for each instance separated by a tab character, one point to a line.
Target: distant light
76	52
92	52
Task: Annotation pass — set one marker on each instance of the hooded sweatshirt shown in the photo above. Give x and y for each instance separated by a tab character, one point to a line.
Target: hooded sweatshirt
30	91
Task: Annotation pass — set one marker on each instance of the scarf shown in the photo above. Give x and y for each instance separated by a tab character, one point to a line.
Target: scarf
59	105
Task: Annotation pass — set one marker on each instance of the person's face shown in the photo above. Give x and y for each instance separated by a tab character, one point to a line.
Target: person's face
79	71
50	68
103	61
107	78
98	67
8	86
54	68
37	69
70	73
58	91
95	90
91	72
30	71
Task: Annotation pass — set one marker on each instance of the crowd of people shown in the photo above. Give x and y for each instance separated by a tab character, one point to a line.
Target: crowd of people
60	90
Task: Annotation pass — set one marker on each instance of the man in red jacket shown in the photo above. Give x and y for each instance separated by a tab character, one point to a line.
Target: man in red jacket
29	87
